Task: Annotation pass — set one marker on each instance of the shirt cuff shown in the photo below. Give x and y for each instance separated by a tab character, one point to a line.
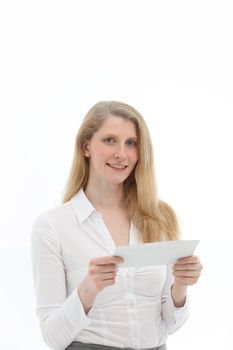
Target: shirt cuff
75	311
175	317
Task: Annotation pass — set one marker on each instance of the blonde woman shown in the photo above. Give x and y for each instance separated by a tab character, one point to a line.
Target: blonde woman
85	300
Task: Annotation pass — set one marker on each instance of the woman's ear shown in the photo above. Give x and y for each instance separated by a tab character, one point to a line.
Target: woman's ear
85	149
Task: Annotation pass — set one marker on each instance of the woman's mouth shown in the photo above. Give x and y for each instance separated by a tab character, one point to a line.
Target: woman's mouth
117	167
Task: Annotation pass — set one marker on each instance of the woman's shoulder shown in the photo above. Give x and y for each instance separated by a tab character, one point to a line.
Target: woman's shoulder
50	216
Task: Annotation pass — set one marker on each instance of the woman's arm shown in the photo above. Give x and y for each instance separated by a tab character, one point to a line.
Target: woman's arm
187	272
175	309
179	294
101	274
173	314
60	316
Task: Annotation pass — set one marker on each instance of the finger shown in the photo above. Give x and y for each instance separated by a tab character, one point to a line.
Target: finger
104	260
188	260
96	270
105	283
186	273
107	268
187	266
108	275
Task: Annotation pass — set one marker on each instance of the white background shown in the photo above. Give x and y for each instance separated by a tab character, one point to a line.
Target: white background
171	60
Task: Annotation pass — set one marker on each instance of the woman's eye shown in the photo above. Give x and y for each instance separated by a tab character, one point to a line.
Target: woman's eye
108	140
132	143
111	140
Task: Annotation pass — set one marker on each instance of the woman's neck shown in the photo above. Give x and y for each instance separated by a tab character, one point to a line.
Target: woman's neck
105	198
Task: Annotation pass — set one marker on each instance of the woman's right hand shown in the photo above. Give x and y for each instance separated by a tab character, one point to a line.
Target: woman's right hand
101	274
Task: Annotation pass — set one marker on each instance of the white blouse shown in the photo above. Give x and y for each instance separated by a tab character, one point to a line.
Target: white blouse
136	312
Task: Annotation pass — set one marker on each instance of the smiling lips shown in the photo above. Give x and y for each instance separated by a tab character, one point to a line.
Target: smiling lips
117	166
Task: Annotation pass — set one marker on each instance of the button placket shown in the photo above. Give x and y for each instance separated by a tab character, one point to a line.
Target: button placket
132	307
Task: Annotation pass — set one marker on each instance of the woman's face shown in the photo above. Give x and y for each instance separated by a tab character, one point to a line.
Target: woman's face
112	151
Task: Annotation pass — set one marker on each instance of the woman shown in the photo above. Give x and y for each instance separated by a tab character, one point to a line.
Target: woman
85	300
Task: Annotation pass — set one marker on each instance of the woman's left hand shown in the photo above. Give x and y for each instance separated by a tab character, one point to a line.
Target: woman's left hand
187	270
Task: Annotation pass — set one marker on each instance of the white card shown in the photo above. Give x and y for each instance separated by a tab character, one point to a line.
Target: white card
158	253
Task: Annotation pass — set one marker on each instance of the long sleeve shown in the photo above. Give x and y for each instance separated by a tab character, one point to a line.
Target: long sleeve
173	317
61	317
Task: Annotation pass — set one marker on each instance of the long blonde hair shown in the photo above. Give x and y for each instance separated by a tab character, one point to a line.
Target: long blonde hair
154	219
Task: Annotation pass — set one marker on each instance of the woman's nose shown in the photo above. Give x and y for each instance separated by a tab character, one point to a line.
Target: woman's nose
120	153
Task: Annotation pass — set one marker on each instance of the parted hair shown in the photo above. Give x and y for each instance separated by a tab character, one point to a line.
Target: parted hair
154	218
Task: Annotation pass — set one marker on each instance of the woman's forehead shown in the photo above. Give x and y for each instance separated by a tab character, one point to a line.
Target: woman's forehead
113	124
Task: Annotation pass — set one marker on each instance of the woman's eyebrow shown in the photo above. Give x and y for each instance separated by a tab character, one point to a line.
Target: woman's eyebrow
112	135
